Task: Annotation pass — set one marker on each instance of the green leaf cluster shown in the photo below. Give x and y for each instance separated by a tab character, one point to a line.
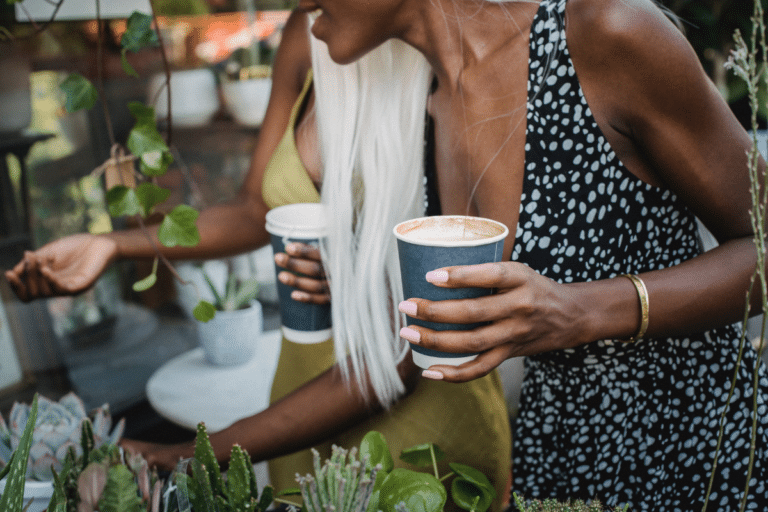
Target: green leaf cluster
207	489
552	505
420	491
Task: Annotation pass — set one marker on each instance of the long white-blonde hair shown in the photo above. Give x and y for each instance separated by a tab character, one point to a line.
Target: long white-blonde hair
371	120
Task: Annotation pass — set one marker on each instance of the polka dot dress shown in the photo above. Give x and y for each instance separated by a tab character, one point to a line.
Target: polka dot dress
627	423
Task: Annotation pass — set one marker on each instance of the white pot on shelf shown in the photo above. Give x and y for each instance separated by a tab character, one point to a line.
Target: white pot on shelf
194	97
231	337
246	100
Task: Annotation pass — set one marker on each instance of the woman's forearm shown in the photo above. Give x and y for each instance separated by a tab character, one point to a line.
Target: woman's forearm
701	293
322	408
226	229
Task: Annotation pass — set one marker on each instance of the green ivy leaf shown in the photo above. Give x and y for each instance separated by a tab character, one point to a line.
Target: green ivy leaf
155	163
144	137
127	68
150	195
204	311
470	489
375	447
122	200
178	227
80	92
147	282
420	455
139	33
421	492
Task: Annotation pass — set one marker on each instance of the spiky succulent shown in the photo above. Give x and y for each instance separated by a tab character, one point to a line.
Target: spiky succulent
57	429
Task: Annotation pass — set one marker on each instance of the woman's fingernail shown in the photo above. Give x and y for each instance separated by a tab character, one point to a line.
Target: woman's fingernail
283	277
437	276
408	307
292	248
297	295
432	374
281	258
410	335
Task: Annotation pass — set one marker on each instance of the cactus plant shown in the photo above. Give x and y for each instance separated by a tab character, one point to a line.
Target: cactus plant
56	430
342	484
207	489
12	499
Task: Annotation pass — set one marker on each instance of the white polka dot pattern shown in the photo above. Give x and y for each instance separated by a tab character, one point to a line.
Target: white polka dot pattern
634	423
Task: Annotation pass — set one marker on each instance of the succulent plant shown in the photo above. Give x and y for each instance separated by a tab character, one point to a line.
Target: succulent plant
342	484
57	429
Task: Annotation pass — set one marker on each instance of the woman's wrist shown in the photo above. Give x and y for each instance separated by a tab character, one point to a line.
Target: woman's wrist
612	309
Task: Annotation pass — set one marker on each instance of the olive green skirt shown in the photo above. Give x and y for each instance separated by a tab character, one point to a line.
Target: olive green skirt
468	421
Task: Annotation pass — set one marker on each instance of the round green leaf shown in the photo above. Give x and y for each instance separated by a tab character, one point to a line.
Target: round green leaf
420	454
470	486
421	492
146	283
204	311
375	447
150	195
122	200
155	163
178	228
138	33
80	92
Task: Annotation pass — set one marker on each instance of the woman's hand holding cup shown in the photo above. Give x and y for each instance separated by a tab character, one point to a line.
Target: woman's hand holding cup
311	285
527	315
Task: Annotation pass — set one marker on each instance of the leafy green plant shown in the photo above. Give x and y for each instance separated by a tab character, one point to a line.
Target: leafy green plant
12	499
207	489
237	292
420	491
550	505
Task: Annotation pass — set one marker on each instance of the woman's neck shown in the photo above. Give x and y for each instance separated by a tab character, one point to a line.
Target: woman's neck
456	35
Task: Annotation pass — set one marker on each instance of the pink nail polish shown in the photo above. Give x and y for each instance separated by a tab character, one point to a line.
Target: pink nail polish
437	276
410	335
407	307
432	374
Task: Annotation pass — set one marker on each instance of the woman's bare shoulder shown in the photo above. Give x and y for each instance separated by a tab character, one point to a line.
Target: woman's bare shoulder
293	58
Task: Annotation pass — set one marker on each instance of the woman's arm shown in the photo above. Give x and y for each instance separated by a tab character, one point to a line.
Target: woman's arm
72	264
668	124
322	408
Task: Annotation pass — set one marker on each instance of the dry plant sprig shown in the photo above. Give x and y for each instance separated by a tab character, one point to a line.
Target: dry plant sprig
743	62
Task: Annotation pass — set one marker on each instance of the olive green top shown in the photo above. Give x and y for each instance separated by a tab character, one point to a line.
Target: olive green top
468	421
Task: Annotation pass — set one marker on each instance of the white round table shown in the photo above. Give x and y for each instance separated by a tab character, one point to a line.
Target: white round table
187	389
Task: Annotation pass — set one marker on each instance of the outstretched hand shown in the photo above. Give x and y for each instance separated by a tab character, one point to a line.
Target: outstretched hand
527	315
311	285
160	456
66	266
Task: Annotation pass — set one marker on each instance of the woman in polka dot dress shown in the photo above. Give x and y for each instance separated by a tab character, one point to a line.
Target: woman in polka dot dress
625	141
590	129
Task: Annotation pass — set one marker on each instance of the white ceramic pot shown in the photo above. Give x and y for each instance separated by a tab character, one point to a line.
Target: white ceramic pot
231	337
246	100
194	97
37	494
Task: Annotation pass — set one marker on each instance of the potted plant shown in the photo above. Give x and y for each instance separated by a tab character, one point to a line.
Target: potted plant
56	431
231	318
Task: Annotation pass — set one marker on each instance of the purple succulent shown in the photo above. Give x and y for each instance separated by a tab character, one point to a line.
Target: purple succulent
57	428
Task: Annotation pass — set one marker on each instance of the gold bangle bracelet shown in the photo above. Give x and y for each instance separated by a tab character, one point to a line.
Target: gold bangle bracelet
642	294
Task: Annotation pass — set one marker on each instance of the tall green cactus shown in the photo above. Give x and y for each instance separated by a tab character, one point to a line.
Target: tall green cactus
12	499
206	490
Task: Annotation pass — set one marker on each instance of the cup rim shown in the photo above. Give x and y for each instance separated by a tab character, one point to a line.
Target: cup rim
455	243
278	224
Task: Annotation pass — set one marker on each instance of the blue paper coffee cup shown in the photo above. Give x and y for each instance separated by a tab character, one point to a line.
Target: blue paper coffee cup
430	243
305	223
